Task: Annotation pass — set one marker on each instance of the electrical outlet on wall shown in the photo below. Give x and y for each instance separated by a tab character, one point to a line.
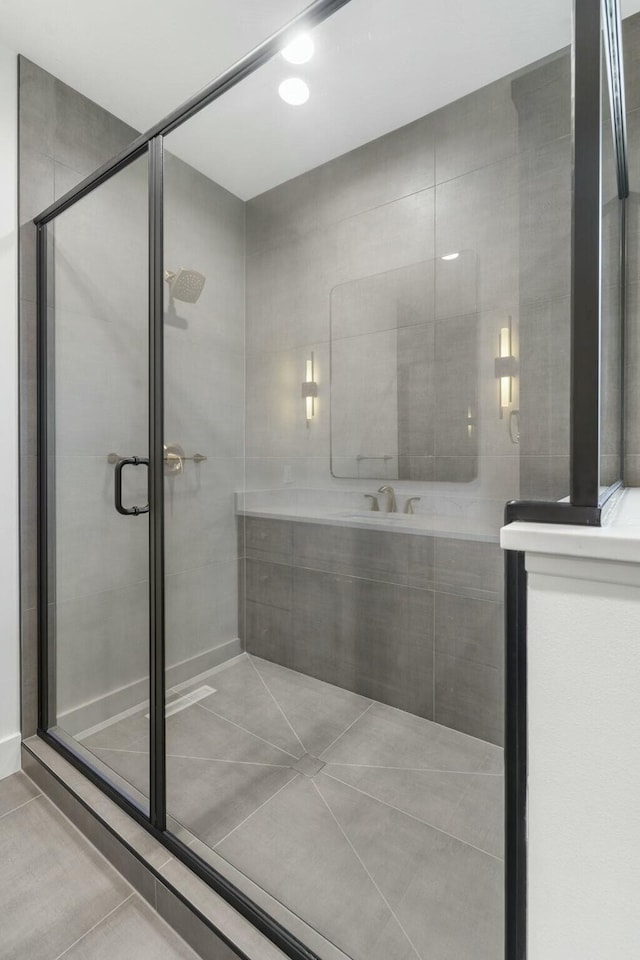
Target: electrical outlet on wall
287	474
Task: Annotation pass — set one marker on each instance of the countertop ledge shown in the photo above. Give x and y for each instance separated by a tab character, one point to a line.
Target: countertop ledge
618	539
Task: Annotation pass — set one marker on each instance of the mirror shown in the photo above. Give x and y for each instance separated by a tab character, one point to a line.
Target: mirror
404	377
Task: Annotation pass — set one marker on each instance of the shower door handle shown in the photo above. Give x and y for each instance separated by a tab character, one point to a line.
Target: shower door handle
135	462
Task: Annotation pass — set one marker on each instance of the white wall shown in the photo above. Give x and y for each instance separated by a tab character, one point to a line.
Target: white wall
9	636
584	755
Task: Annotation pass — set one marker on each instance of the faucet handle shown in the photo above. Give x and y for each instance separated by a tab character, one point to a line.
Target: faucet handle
374	501
408	507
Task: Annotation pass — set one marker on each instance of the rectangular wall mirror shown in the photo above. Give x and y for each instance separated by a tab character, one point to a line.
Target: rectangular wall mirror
404	372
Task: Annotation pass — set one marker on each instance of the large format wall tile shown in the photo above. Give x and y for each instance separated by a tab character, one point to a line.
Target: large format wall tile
542	98
101	381
356	608
469	697
371	637
390	167
475	131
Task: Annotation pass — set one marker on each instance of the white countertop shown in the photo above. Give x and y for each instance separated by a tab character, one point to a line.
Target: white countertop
419	524
617	539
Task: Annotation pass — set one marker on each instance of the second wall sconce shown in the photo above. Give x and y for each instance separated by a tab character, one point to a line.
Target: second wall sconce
506	368
309	391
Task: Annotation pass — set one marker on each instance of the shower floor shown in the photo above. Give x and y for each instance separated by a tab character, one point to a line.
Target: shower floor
367	831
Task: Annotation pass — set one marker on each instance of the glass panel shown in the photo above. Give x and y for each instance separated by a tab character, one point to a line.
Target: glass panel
98	363
378	269
612	302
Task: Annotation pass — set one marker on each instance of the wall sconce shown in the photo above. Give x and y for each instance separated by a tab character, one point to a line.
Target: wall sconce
506	368
309	391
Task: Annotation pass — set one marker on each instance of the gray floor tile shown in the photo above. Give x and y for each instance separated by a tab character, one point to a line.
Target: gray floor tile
209	798
384	736
242	697
46	868
279	911
324	882
317	711
133	930
121	735
16	790
446	895
469	806
198	732
219	796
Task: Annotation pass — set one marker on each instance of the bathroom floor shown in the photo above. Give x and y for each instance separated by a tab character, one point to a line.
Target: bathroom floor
60	899
369	832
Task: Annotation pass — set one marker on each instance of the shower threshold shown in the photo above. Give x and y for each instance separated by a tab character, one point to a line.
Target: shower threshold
366	831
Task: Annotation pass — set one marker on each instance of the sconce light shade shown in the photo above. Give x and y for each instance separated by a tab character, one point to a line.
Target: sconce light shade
309	391
506	368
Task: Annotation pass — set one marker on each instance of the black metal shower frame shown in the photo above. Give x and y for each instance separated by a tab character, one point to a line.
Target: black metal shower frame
584	506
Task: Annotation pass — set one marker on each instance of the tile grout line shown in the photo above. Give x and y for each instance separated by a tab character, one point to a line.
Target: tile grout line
264	683
244	730
364	867
7	813
95	925
359	717
186	756
250	763
263	804
413	817
380	766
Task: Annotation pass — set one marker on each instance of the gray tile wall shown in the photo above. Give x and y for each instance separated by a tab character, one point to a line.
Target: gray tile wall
412	621
99	292
63	137
489	174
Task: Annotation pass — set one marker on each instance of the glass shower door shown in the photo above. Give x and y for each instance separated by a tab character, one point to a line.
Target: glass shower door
97	484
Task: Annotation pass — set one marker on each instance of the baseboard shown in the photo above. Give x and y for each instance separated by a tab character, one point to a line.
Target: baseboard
10	755
136	694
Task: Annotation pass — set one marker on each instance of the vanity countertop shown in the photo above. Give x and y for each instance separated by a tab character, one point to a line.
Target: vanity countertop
459	527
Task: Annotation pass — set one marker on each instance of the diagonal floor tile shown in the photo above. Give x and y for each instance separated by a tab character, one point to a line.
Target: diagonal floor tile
241	696
121	735
196	732
46	866
293	848
317	711
212	799
385	736
209	798
133	930
469	806
447	895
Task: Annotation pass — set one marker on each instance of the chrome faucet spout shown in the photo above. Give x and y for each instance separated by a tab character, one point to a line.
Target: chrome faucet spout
391	498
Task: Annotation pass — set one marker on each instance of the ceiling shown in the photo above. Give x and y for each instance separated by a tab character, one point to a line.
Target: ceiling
378	65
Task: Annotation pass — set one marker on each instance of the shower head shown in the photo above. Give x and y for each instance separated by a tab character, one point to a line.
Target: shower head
185	285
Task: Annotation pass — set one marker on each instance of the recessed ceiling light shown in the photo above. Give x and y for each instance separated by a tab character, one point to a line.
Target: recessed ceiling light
299	50
451	256
294	91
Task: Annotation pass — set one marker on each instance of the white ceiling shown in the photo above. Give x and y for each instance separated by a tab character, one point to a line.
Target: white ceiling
378	65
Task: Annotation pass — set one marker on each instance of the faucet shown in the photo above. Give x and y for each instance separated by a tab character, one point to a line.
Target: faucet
408	507
374	500
391	498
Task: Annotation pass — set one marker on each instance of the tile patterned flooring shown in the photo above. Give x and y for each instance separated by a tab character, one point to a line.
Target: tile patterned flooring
380	830
59	898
